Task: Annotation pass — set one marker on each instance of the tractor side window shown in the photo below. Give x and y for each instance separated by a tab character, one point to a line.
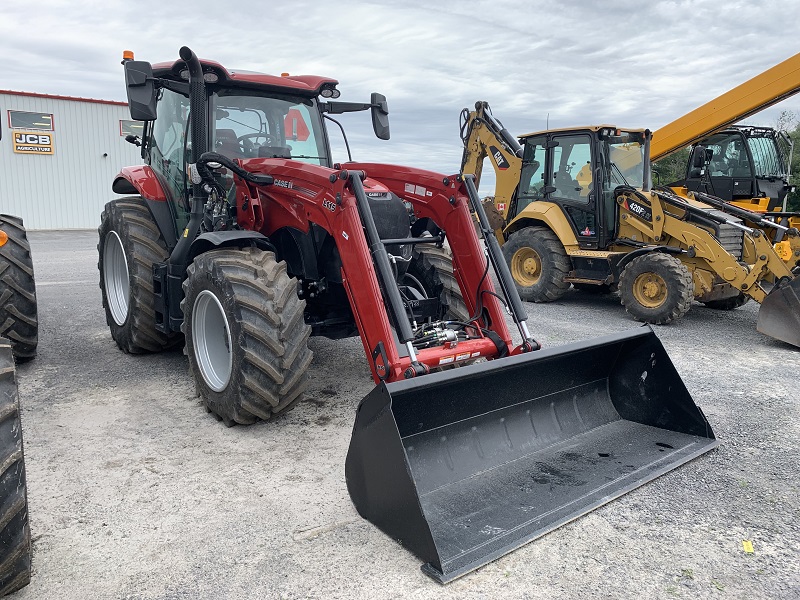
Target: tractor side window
168	144
531	185
572	167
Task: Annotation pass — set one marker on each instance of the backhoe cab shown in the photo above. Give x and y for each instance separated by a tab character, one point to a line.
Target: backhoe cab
575	207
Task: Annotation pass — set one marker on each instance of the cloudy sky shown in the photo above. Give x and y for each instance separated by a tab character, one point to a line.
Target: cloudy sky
627	62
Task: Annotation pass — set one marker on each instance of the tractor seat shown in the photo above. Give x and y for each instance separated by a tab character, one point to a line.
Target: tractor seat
274	152
227	143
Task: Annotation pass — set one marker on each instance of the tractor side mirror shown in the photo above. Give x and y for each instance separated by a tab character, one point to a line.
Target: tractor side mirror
141	90
380	115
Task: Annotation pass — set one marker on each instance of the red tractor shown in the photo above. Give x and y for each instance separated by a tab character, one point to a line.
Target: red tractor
241	237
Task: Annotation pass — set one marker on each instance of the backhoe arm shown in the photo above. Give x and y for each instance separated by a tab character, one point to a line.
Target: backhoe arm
483	136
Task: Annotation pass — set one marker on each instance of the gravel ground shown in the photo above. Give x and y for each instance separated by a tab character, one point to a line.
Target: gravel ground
136	492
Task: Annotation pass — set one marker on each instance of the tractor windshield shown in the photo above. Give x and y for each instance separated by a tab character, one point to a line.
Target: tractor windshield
626	154
250	124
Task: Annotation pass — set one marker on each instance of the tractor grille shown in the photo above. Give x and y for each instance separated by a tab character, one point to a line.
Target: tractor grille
731	238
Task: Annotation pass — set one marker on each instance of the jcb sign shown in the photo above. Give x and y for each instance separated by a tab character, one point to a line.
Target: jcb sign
28	142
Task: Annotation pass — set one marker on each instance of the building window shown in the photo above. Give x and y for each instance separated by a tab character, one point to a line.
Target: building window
131	128
18	119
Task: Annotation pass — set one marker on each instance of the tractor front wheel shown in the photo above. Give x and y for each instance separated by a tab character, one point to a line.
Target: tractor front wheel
538	264
130	243
432	269
246	337
656	288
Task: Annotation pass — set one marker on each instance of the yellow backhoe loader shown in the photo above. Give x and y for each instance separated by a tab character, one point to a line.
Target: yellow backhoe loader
576	206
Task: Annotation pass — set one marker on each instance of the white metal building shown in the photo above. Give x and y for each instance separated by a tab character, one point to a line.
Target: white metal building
59	156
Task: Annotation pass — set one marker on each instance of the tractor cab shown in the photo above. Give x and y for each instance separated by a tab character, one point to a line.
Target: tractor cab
578	169
740	164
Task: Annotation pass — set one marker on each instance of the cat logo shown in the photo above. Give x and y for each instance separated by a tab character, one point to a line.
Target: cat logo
498	157
28	142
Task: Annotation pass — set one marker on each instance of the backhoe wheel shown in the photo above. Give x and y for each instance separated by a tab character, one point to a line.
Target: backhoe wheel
18	316
538	263
728	303
246	337
433	268
130	243
656	288
15	533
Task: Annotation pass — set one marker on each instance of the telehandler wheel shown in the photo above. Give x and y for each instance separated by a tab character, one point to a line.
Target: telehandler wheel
19	321
538	263
433	268
246	337
15	532
130	243
656	288
728	303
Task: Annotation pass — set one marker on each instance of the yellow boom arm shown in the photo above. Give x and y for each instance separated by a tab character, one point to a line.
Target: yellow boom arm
760	92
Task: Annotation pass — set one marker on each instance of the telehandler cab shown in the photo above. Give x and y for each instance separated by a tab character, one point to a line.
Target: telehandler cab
242	235
576	206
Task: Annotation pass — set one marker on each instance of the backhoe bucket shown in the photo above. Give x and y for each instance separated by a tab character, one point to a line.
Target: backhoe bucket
779	315
467	465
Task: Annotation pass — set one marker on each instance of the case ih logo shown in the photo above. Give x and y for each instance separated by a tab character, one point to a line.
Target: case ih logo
26	142
640	210
498	157
283	183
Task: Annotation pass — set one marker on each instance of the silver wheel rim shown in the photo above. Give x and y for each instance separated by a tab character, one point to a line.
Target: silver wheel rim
116	277
211	339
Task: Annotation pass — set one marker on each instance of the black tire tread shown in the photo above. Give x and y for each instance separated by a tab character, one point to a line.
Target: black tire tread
19	320
142	241
731	303
556	265
273	334
682	288
440	261
15	534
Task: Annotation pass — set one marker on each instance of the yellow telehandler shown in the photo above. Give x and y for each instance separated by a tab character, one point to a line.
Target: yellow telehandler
576	206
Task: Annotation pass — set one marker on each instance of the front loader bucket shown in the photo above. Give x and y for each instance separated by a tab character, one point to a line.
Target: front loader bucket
779	315
464	466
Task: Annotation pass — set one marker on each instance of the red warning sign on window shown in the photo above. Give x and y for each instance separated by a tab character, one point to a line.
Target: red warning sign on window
295	126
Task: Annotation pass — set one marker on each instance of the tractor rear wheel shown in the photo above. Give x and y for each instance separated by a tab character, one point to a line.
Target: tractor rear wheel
15	532
538	264
19	321
433	269
130	243
656	288
728	303
246	336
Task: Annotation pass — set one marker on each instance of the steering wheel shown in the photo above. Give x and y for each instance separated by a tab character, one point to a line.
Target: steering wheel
248	148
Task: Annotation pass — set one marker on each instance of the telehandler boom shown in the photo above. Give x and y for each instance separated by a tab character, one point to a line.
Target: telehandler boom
576	206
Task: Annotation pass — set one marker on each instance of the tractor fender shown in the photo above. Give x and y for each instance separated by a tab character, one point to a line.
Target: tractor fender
228	239
141	180
620	265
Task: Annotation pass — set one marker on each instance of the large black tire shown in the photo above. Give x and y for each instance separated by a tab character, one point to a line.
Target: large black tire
19	320
538	264
15	532
130	243
246	336
731	303
656	288
433	267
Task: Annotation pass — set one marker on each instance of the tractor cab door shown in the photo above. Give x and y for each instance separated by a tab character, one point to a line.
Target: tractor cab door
728	172
570	184
168	145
